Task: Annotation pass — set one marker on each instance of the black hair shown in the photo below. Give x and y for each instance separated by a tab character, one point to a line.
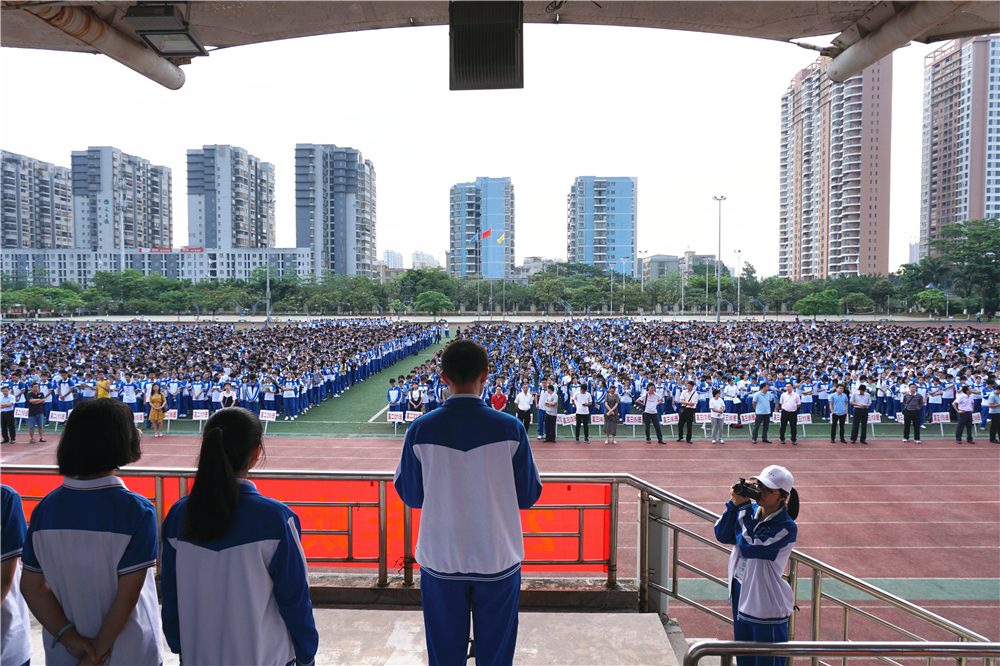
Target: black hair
463	361
791	502
715	391
231	436
100	437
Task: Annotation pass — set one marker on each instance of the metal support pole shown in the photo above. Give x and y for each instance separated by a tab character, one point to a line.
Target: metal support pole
407	545
643	552
793	581
817	602
383	556
718	271
612	538
182	486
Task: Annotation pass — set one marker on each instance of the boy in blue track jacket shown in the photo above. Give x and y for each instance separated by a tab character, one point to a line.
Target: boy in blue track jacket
469	469
763	535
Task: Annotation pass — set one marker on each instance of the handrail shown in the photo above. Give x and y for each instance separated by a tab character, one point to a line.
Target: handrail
648	492
726	650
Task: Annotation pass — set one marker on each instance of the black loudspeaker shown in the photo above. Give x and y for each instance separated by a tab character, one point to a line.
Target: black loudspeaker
487	45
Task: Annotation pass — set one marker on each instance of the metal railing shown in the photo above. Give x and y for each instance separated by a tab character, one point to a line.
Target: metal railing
648	495
726	650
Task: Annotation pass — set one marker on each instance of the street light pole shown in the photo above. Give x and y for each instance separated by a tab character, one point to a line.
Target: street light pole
267	297
119	185
718	272
739	273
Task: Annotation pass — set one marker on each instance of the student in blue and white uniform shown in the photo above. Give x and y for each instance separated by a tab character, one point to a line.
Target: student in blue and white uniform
763	534
130	393
64	392
469	469
90	552
234	578
15	624
251	394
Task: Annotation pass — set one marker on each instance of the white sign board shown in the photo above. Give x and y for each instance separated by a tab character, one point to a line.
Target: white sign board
412	416
670	419
200	414
805	419
597	419
749	417
391	417
941	417
730	418
268	415
874	417
633	419
20	412
702	417
58	417
170	415
138	417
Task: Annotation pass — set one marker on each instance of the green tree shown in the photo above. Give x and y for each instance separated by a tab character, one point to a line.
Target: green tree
176	300
931	300
75	287
971	250
63	300
855	302
143	306
826	302
433	302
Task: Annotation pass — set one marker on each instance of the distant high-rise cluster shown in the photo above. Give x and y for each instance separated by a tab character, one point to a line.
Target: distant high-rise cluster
393	259
335	210
230	199
482	229
601	223
960	165
37	204
424	260
834	179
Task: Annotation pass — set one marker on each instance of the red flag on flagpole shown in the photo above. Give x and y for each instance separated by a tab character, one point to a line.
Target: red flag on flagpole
486	234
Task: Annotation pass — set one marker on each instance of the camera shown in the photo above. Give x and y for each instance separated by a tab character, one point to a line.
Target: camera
748	491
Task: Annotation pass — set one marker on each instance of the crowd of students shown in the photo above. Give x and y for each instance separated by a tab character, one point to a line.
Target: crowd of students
685	366
288	369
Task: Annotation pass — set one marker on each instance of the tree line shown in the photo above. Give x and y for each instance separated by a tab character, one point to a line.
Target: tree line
966	266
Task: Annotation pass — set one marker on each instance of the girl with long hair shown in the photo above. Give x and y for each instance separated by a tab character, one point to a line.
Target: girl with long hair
234	580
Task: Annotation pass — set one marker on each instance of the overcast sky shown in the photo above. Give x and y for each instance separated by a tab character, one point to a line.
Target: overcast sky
690	115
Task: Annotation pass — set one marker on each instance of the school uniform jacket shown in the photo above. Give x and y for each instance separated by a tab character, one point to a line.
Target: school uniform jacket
242	599
470	470
82	537
765	545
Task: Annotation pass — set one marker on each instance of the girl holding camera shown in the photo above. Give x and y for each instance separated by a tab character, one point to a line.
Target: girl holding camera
762	534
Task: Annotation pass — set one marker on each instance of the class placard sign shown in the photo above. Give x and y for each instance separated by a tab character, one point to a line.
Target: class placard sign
730	418
941	417
597	419
977	418
807	419
268	415
749	417
170	415
670	419
702	417
391	417
566	419
20	412
776	416
412	416
900	418
200	414
633	419
138	417
58	417
874	417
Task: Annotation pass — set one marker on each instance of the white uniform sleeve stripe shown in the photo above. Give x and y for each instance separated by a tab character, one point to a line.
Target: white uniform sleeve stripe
758	542
10	554
144	565
298	539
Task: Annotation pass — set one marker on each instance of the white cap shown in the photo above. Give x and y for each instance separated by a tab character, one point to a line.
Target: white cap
776	477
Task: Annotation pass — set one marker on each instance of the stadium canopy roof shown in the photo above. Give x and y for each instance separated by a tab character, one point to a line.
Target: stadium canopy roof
866	31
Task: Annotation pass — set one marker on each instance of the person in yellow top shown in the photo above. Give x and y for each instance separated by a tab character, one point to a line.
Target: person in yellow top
103	386
157	401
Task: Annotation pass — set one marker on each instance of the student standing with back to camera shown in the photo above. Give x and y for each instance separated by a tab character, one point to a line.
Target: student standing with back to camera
234	581
762	534
470	470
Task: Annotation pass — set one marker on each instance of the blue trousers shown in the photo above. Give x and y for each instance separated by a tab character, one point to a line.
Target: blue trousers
769	631
447	602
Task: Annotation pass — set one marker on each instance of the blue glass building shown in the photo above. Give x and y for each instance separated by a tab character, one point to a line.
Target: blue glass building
481	240
601	223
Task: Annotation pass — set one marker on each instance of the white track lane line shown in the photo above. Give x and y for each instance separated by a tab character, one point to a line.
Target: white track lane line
380	413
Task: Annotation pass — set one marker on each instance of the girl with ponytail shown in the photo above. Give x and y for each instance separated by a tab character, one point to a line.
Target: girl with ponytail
234	579
762	534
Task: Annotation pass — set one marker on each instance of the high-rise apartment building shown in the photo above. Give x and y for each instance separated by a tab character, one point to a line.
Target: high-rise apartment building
835	144
960	166
601	223
424	260
230	199
37	204
482	229
103	174
393	259
335	208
